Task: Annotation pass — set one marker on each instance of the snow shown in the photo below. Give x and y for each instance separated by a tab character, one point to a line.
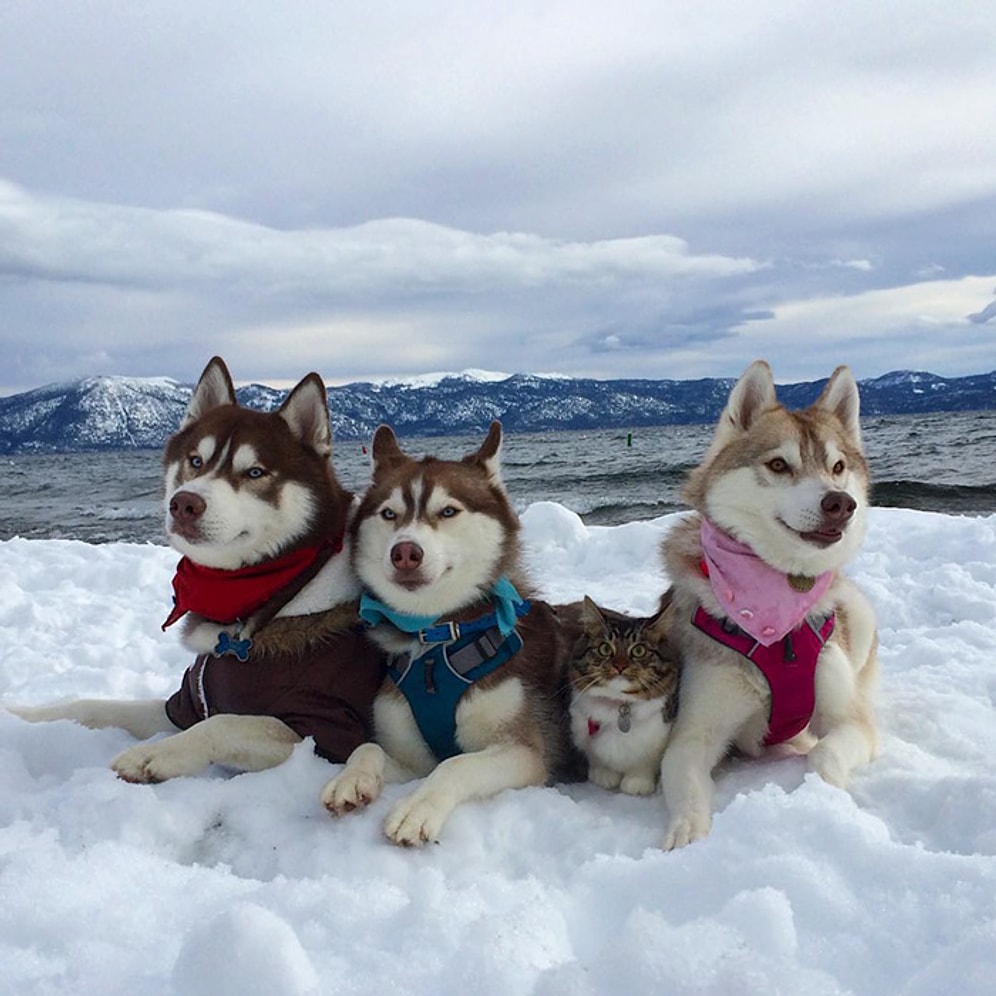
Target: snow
241	884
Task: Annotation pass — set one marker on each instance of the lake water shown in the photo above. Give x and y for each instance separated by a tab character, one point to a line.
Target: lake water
942	462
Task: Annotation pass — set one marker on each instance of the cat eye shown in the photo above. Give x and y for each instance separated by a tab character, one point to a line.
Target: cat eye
605	649
637	651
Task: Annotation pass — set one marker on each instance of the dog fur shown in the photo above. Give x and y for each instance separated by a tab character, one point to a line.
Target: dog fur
242	488
793	486
431	537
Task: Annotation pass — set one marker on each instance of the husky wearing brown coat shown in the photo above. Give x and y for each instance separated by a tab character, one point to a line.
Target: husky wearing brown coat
776	644
265	591
475	698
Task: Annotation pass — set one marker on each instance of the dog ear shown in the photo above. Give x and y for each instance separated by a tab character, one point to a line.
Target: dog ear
840	397
213	390
306	411
490	453
385	451
752	395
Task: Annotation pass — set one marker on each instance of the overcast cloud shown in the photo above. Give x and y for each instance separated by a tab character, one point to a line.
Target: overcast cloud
376	190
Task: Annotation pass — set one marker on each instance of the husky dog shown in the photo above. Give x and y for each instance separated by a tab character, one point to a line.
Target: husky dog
252	504
776	645
475	693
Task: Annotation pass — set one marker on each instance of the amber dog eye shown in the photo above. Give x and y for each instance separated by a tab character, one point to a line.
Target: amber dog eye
838	468
778	466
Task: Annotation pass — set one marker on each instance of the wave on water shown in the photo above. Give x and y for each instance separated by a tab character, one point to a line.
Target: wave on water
929	497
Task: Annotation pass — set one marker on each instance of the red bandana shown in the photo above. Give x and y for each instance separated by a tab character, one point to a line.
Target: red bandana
227	596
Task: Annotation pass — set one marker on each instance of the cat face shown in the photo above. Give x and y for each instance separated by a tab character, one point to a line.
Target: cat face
621	655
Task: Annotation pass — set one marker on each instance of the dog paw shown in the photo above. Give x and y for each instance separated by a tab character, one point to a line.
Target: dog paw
829	765
685	830
415	822
147	764
638	785
349	791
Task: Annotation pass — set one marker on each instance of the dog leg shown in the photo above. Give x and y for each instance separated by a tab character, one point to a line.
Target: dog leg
361	779
248	743
717	704
845	718
419	818
606	778
141	718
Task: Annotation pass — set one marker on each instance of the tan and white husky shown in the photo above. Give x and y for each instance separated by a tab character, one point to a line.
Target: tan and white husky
266	589
776	644
474	698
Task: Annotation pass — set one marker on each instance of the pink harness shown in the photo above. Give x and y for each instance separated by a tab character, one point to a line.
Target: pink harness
772	628
788	666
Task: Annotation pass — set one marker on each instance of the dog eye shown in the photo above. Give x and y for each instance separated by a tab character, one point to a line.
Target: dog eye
838	468
605	649
448	512
255	473
388	514
196	462
778	466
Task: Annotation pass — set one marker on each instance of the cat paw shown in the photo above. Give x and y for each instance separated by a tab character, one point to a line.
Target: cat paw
639	784
684	830
349	791
148	764
605	778
414	822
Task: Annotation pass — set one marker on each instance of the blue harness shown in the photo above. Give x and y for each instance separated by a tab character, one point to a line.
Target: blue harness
456	656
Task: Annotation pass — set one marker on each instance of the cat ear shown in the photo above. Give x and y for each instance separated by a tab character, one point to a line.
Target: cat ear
591	614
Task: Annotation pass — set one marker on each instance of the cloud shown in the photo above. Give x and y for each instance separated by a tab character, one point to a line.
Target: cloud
646	189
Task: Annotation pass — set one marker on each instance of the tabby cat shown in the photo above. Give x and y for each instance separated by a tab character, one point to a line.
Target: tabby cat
624	697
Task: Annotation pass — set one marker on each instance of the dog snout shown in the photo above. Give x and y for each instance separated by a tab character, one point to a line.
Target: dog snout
406	556
838	507
185	507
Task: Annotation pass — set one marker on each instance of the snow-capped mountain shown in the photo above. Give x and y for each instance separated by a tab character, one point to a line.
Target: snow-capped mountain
102	413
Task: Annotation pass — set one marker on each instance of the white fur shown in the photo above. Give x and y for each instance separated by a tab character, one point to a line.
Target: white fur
628	761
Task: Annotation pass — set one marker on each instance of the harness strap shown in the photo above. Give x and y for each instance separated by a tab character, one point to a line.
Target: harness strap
434	681
788	666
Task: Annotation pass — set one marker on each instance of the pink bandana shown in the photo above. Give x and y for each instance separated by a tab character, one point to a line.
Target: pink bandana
764	602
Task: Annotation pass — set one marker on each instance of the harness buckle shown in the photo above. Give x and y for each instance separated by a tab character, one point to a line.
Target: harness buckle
446	632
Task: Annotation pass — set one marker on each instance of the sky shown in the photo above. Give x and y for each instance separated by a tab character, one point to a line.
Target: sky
640	189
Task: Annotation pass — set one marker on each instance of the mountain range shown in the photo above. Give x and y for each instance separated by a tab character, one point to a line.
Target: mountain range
113	413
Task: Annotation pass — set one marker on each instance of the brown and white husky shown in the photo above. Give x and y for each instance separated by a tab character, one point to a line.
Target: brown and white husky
474	697
266	589
776	644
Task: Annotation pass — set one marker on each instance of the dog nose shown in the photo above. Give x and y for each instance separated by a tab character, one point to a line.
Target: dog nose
185	506
406	556
838	506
